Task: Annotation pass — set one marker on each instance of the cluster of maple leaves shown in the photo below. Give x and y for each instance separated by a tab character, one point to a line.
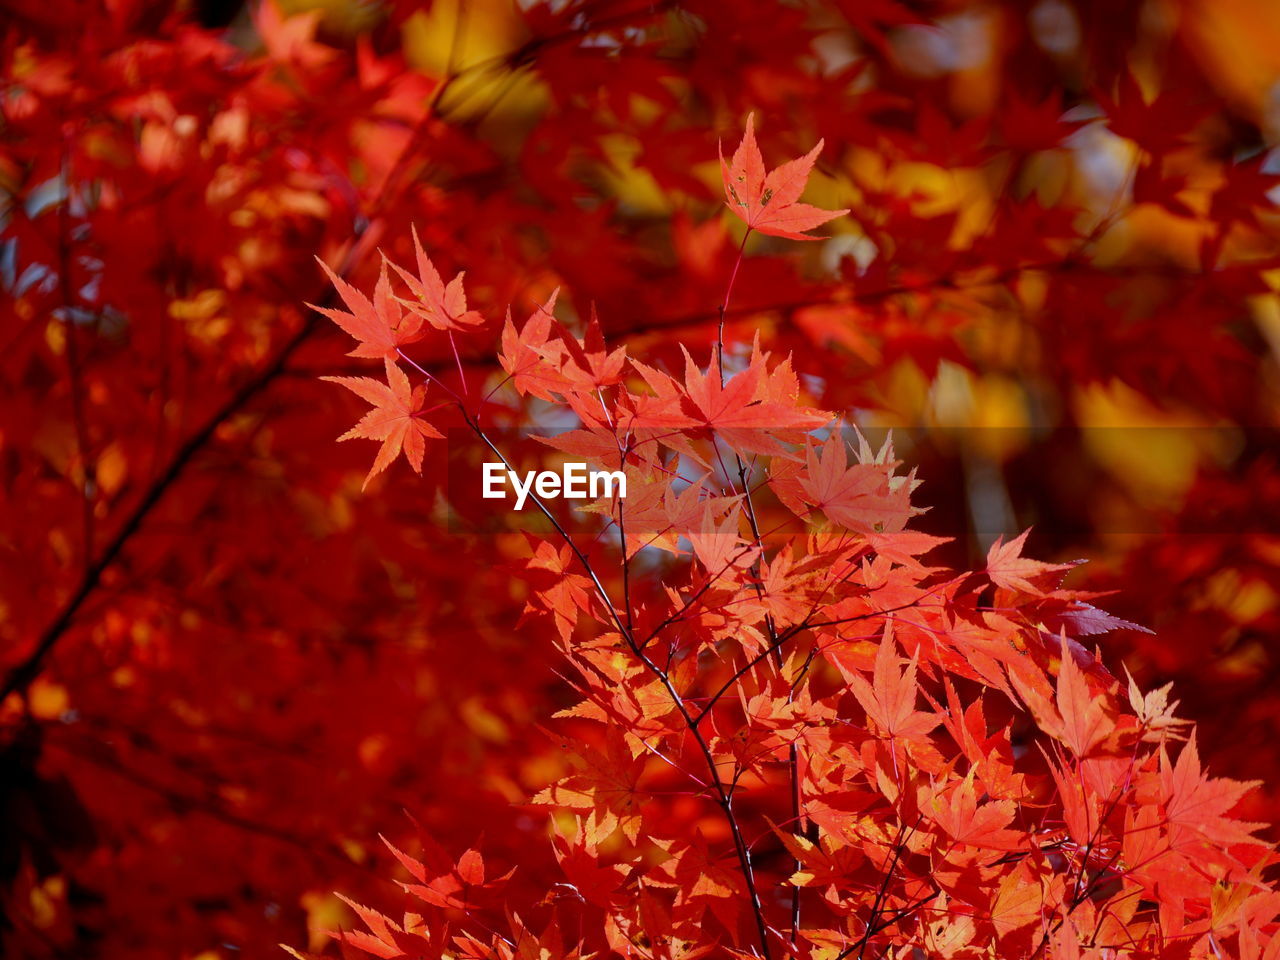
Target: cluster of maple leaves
905	759
224	668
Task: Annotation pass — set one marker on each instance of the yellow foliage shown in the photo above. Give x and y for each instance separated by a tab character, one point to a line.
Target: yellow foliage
484	722
1236	39
112	468
991	409
634	186
325	912
340	16
46	900
55	336
48	700
1155	453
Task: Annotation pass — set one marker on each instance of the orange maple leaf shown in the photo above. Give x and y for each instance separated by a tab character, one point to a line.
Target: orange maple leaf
533	356
768	203
1196	802
863	497
396	418
744	409
1009	569
1085	723
955	807
719	547
890	699
606	789
594	366
380	326
442	305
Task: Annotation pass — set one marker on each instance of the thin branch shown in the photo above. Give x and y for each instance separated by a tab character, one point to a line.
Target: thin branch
724	306
782	639
723	796
21	676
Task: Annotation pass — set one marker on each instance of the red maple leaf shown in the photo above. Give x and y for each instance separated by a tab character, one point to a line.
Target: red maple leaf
1198	804
744	408
862	497
1008	568
442	305
955	807
1085	723
380	326
768	204
890	698
396	418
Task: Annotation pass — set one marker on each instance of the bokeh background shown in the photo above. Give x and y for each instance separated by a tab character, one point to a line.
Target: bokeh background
227	670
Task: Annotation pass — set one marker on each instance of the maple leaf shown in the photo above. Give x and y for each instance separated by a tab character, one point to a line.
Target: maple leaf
1154	712
864	497
1247	190
718	547
596	366
580	859
386	938
1087	620
396	418
607	790
443	306
1159	125
742	409
533	356
558	590
655	514
447	884
663	408
1019	901
826	862
782	587
768	204
1009	569
291	37
1194	801
890	699
1150	185
1029	126
380	325
1080	809
706	879
1085	723
956	808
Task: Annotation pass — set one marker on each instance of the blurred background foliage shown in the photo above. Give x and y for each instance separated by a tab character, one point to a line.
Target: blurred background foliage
227	670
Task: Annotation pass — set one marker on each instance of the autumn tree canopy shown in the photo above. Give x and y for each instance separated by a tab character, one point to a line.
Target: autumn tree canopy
808	689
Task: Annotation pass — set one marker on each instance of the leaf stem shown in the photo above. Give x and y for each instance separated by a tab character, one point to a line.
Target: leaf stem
462	374
724	306
722	796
